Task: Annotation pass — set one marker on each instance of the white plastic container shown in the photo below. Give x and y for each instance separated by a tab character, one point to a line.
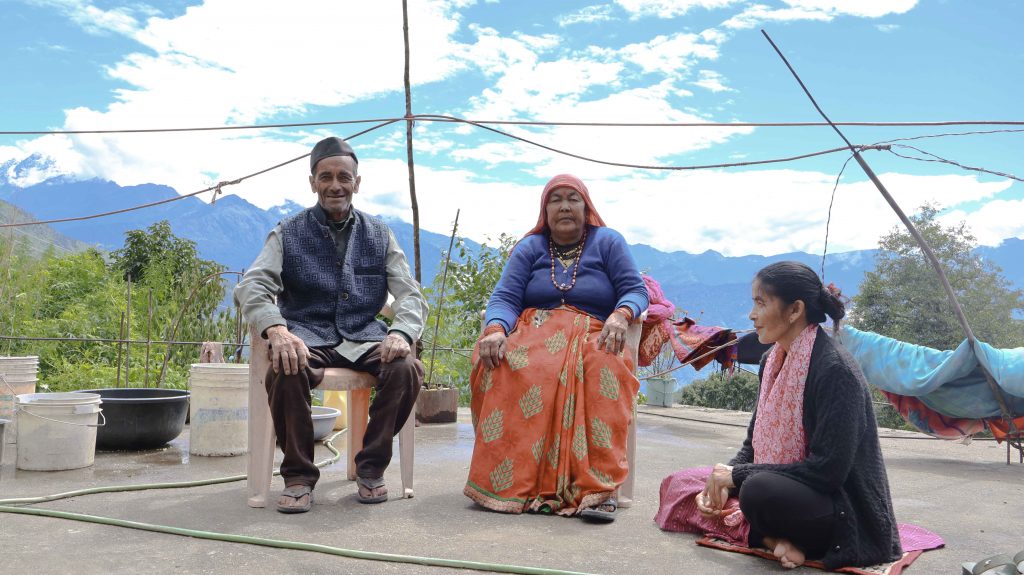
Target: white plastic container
219	409
20	375
57	431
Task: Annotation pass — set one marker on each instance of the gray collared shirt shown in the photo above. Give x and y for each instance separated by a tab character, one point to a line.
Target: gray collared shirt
257	292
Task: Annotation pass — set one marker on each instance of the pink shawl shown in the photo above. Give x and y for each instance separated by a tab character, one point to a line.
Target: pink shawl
779	430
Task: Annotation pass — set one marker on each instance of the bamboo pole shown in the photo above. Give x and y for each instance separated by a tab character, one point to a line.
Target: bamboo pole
408	146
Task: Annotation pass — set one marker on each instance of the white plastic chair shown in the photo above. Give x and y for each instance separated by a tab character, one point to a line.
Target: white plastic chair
262	439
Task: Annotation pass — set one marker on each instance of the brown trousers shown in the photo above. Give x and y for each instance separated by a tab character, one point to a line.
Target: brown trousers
398	384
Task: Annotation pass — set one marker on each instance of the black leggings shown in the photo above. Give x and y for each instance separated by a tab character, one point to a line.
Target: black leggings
783	508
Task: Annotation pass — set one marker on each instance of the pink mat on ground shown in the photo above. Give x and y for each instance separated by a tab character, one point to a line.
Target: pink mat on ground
915	540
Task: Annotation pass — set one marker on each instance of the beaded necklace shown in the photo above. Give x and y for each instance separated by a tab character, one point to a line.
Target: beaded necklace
567	257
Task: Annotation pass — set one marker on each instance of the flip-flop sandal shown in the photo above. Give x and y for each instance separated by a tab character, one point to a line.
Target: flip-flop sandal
370	485
1004	564
296	492
597	515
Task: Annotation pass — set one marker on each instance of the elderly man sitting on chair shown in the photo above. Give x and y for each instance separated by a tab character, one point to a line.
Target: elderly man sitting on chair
314	292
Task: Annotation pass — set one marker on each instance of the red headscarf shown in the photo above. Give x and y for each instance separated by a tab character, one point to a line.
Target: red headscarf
565	181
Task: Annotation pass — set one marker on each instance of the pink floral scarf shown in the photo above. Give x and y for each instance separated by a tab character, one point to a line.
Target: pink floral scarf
779	430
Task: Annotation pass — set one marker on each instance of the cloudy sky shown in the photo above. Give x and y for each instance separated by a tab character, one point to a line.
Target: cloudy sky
80	65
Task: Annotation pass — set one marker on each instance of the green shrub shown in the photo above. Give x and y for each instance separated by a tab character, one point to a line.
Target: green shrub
736	391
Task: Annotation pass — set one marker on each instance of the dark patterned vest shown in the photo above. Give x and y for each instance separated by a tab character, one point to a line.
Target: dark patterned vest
326	300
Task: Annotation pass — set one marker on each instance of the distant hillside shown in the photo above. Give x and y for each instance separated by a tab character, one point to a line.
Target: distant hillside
36	240
231	231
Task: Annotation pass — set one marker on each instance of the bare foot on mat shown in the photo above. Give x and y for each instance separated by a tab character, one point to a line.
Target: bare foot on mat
788	554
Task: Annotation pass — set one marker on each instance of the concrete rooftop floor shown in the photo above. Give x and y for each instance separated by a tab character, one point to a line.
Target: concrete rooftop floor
966	493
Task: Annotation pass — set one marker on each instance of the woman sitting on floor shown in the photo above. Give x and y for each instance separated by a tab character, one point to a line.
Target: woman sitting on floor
809	481
552	385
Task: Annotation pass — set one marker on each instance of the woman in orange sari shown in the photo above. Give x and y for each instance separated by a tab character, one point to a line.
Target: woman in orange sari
552	385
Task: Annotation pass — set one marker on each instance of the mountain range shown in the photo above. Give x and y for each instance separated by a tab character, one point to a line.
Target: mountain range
710	287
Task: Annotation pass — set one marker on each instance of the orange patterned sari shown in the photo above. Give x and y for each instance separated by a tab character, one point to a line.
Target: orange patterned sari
551	419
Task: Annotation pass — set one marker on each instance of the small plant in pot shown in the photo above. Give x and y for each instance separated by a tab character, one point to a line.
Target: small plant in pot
660	383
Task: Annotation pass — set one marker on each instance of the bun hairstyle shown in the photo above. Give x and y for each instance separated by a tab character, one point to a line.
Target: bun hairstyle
791	281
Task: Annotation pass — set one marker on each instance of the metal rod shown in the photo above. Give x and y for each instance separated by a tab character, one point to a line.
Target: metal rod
440	299
7	284
128	334
120	335
925	248
408	147
149	335
238	324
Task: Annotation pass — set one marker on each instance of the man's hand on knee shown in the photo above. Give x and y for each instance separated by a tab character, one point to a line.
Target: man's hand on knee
286	350
394	346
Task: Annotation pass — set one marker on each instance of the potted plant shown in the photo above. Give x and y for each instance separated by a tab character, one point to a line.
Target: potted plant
660	388
456	297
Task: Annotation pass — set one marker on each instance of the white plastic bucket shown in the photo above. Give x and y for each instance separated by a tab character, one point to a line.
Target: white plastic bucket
19	378
57	431
219	409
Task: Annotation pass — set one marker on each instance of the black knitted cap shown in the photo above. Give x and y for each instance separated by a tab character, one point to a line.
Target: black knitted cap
330	147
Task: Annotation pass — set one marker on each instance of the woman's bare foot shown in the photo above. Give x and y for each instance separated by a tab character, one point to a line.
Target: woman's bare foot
788	554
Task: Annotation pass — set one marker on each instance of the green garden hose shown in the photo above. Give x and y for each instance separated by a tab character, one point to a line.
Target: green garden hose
8	506
174	485
295	545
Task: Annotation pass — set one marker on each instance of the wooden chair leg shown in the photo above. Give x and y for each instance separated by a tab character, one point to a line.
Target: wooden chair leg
260	466
358	415
406	439
626	491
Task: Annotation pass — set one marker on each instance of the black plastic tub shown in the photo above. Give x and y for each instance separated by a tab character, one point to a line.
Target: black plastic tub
140	418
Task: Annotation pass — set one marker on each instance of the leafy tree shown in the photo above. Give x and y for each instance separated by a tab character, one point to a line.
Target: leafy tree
471	279
82	295
903	298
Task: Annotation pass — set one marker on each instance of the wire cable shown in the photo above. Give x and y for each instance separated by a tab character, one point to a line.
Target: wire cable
520	123
638	166
938	159
828	221
949	134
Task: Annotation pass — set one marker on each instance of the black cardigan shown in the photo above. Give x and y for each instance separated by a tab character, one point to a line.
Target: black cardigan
844	458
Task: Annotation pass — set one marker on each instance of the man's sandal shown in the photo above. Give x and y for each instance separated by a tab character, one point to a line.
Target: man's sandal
1005	564
296	492
603	513
370	485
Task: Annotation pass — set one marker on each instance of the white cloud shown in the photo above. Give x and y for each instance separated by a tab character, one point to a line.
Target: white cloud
887	27
645	146
819	10
97	21
758	13
197	71
859	8
586	15
711	80
669	8
670	54
992	222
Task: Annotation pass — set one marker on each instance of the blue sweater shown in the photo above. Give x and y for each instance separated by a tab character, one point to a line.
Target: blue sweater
607	279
